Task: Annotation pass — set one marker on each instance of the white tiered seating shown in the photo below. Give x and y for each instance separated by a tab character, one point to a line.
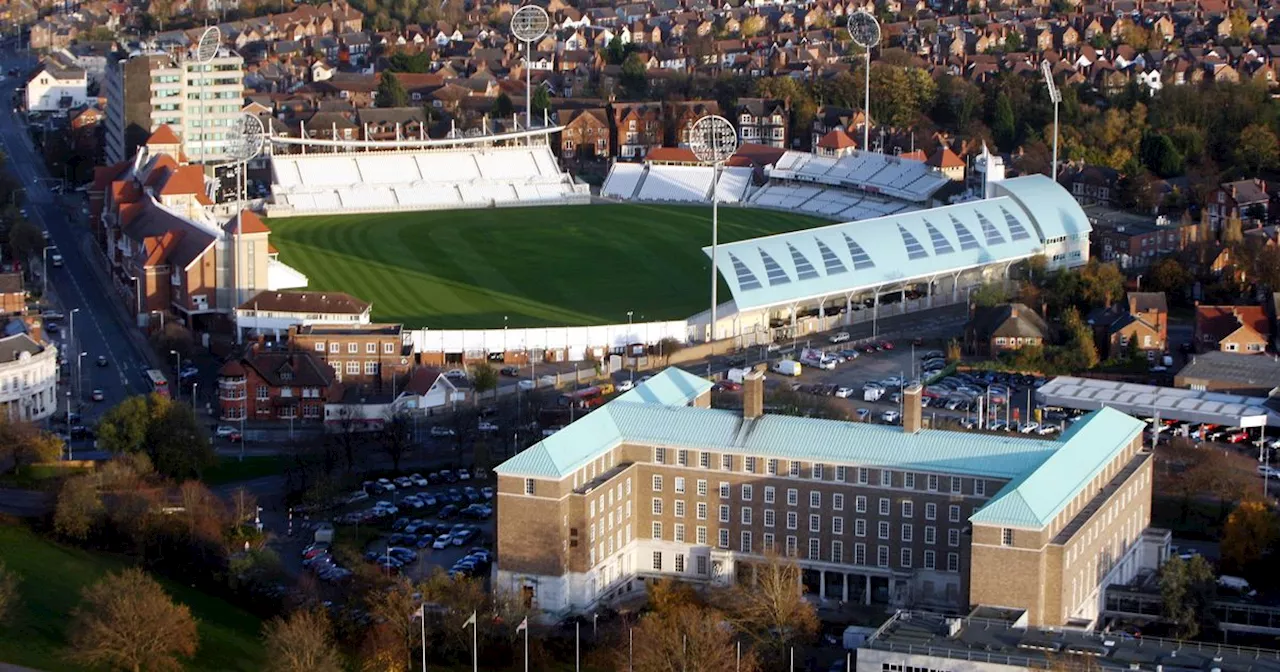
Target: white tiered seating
506	165
447	167
324	171
286	173
427	196
389	169
367	198
819	165
733	184
547	166
327	201
622	180
301	202
676	183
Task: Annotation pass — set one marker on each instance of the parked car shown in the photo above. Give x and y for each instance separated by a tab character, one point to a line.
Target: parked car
98	395
840	337
224	431
625	385
464	475
442	542
102	360
891	417
510	371
486	426
437	430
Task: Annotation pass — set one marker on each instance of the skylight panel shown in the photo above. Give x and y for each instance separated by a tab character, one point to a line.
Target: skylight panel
861	260
940	243
777	276
1016	229
914	249
830	260
804	269
967	241
989	231
746	279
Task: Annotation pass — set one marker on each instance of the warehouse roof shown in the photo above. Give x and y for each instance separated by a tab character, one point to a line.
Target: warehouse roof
833	260
1231	367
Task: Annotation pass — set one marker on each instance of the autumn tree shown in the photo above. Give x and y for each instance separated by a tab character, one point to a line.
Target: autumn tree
8	592
1247	535
1232	231
989	294
1170	276
166	431
126	621
772	610
1258	148
483	378
78	508
302	642
1187	590
1081	350
753	25
683	638
23	444
1101	284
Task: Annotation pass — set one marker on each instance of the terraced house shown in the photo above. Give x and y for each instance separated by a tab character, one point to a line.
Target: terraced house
658	484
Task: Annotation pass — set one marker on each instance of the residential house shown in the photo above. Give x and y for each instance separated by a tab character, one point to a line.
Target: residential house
682	115
1005	327
1143	319
585	136
13	298
56	88
763	121
392	123
264	384
1136	241
1245	199
1236	329
1092	185
272	313
428	389
637	128
947	162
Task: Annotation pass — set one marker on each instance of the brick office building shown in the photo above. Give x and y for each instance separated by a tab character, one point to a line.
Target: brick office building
360	354
657	484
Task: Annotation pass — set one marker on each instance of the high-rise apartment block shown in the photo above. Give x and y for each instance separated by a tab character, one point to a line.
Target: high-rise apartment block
200	102
657	484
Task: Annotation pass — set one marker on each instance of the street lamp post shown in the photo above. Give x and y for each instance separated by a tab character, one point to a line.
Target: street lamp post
177	374
79	377
1055	96
627	345
71	337
161	314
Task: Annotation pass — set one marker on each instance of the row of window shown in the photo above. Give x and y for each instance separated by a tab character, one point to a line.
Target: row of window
746	544
747	492
818	471
370	348
746	516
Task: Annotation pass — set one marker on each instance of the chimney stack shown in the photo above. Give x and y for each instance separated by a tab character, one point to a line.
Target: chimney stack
911	409
753	395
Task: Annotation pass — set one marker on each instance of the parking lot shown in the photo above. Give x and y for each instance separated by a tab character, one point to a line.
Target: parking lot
411	525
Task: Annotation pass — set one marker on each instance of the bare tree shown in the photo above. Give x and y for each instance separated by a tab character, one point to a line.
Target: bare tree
244	505
78	508
303	642
773	610
127	622
395	437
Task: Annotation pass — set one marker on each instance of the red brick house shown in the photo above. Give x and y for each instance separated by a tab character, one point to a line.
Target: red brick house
276	385
585	136
1239	329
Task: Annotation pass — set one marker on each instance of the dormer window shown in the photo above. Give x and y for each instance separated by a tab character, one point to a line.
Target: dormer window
286	376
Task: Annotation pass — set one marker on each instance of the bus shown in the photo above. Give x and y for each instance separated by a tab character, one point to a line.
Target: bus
588	397
158	383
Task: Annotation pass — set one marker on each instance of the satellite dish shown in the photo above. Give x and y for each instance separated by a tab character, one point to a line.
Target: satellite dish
529	23
246	139
207	46
713	139
863	29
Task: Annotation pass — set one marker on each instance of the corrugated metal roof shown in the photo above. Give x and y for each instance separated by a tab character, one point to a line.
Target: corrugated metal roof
1086	448
671	387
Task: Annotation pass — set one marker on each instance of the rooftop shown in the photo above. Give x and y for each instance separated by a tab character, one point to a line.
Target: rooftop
1002	641
1042	474
305	302
1260	370
350	329
1166	402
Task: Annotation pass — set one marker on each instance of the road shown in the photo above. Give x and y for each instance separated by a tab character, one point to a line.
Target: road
101	327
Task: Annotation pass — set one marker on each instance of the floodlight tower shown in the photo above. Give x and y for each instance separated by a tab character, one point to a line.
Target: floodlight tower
864	30
528	25
245	143
1055	96
713	140
206	51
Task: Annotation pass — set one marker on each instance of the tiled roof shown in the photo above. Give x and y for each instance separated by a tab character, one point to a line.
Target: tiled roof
1219	322
305	302
163	136
249	222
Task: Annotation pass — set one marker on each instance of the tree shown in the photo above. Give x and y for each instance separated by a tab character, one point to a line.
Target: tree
1187	589
668	346
8	592
502	106
953	350
616	52
1257	148
1002	123
1160	155
395	437
1082	351
1232	231
166	431
1248	534
1102	284
303	642
126	622
391	92
78	508
483	378
990	294
23	444
773	610
635	77
25	240
541	98
1013	41
123	428
753	25
1170	276
683	638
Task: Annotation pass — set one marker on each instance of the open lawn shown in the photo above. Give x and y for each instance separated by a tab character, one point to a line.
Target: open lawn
544	266
52	578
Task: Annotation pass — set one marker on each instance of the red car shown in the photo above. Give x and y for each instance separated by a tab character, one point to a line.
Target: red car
728	386
1238	437
887	345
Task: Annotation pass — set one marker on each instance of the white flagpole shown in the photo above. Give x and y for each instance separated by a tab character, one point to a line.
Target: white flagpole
526	647
475	644
422	619
577	658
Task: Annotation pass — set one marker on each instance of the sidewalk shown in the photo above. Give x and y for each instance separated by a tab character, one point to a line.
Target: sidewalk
99	266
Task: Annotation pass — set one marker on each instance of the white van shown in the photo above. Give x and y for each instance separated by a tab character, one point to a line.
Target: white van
788	367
